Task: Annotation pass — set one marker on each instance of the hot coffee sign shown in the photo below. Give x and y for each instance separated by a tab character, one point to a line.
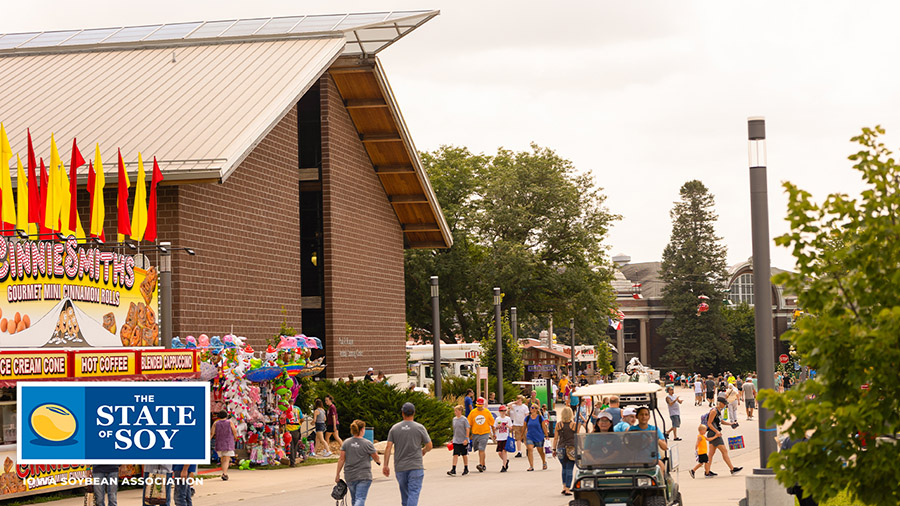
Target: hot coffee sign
65	294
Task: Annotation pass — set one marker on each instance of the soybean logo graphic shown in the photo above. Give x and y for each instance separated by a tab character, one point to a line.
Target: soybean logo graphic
54	424
113	423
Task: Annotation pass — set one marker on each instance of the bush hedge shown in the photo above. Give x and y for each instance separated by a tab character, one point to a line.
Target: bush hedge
378	405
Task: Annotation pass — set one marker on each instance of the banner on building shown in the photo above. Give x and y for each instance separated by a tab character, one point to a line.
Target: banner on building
70	295
113	423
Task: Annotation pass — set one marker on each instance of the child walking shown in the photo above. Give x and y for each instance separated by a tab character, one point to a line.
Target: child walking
460	441
503	425
702	449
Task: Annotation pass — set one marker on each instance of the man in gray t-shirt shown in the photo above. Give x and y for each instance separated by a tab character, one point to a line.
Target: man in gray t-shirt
412	442
749	396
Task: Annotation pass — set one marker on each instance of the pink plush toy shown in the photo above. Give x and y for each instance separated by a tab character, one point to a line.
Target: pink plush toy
203	341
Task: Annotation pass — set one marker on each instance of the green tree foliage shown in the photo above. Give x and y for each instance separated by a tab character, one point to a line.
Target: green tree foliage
604	359
741	329
513	364
379	406
524	221
694	265
848	271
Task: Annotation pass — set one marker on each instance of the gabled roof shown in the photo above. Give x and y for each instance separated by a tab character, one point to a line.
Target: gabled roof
200	96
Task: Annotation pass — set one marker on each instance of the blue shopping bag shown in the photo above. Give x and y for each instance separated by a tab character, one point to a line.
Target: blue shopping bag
510	444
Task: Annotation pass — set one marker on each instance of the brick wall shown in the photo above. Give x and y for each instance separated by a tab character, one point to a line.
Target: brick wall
364	285
246	233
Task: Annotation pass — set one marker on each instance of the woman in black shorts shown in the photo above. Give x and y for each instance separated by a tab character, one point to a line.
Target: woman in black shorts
714	430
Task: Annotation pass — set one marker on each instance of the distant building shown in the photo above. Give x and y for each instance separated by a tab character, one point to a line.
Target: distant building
639	292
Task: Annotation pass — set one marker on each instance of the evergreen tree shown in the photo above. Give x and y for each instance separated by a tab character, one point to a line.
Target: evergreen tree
513	363
693	266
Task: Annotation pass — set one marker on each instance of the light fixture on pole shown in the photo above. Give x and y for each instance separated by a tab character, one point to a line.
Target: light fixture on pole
572	332
498	335
762	285
436	336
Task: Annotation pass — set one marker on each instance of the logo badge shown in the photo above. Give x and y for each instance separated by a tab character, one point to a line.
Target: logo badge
53	424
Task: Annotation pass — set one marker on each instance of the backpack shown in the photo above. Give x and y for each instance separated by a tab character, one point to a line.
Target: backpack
704	418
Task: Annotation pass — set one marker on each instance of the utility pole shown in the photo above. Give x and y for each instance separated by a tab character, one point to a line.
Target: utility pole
436	336
498	335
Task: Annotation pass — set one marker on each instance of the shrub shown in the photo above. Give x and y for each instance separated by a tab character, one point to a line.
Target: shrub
454	389
379	406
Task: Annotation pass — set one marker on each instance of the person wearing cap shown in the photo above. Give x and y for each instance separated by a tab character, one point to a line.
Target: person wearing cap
412	442
714	431
503	431
482	422
604	422
628	419
369	377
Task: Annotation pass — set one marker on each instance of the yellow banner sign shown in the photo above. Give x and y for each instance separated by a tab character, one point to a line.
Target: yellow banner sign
168	362
69	295
33	365
110	363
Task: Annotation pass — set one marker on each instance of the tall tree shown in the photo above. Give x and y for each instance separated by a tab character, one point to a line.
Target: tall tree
741	329
693	267
525	221
848	270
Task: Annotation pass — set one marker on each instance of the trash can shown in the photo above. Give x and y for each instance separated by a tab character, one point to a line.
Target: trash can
369	434
551	416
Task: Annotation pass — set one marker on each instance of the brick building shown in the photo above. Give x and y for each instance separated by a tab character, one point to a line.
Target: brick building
639	293
288	166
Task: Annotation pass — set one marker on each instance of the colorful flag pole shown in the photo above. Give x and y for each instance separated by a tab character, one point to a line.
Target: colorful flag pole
98	209
44	232
124	221
52	209
77	161
139	208
150	233
34	196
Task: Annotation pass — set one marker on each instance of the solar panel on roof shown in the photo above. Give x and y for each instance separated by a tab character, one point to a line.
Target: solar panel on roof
49	38
361	19
210	29
245	27
279	25
318	23
14	39
173	31
132	33
90	36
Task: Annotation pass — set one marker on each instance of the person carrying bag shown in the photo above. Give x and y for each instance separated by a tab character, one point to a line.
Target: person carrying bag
564	447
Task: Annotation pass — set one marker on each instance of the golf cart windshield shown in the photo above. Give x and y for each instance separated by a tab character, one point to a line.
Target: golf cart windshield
604	450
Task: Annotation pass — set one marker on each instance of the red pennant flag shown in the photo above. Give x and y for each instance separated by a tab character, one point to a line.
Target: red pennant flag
150	233
34	199
77	161
43	231
124	227
90	189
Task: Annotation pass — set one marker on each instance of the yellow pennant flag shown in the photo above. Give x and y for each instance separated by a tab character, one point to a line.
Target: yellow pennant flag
98	211
22	200
51	214
139	209
8	208
65	209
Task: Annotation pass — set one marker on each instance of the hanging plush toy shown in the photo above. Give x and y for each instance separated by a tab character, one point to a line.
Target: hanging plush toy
190	343
176	343
203	341
271	356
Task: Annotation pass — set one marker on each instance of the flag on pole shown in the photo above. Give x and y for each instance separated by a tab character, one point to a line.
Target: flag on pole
124	225
24	186
150	233
7	204
34	196
44	232
139	208
77	161
52	209
64	217
98	209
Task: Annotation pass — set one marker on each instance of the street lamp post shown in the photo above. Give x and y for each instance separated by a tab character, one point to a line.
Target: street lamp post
498	335
514	323
762	285
165	288
436	336
572	332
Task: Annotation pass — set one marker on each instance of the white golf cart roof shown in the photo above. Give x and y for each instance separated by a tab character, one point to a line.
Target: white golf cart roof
619	389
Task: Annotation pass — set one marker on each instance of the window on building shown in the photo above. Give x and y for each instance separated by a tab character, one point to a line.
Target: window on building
742	289
632	329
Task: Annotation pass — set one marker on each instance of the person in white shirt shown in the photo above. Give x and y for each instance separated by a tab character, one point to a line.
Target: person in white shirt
518	411
733	396
503	427
674	403
698	390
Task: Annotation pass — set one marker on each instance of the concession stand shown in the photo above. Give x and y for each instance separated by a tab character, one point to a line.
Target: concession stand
72	312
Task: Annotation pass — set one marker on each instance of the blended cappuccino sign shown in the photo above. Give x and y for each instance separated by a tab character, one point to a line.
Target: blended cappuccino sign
113	423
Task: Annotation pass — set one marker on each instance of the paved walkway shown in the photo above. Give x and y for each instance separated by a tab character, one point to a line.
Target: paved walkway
312	485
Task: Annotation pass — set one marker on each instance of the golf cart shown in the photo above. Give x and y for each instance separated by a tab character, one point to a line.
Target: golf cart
620	468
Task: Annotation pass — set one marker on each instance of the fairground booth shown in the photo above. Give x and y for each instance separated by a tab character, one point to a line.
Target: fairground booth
183	194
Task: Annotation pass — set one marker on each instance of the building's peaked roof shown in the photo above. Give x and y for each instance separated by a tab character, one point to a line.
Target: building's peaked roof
366	33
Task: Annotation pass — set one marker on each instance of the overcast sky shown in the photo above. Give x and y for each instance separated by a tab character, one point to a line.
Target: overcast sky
643	95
